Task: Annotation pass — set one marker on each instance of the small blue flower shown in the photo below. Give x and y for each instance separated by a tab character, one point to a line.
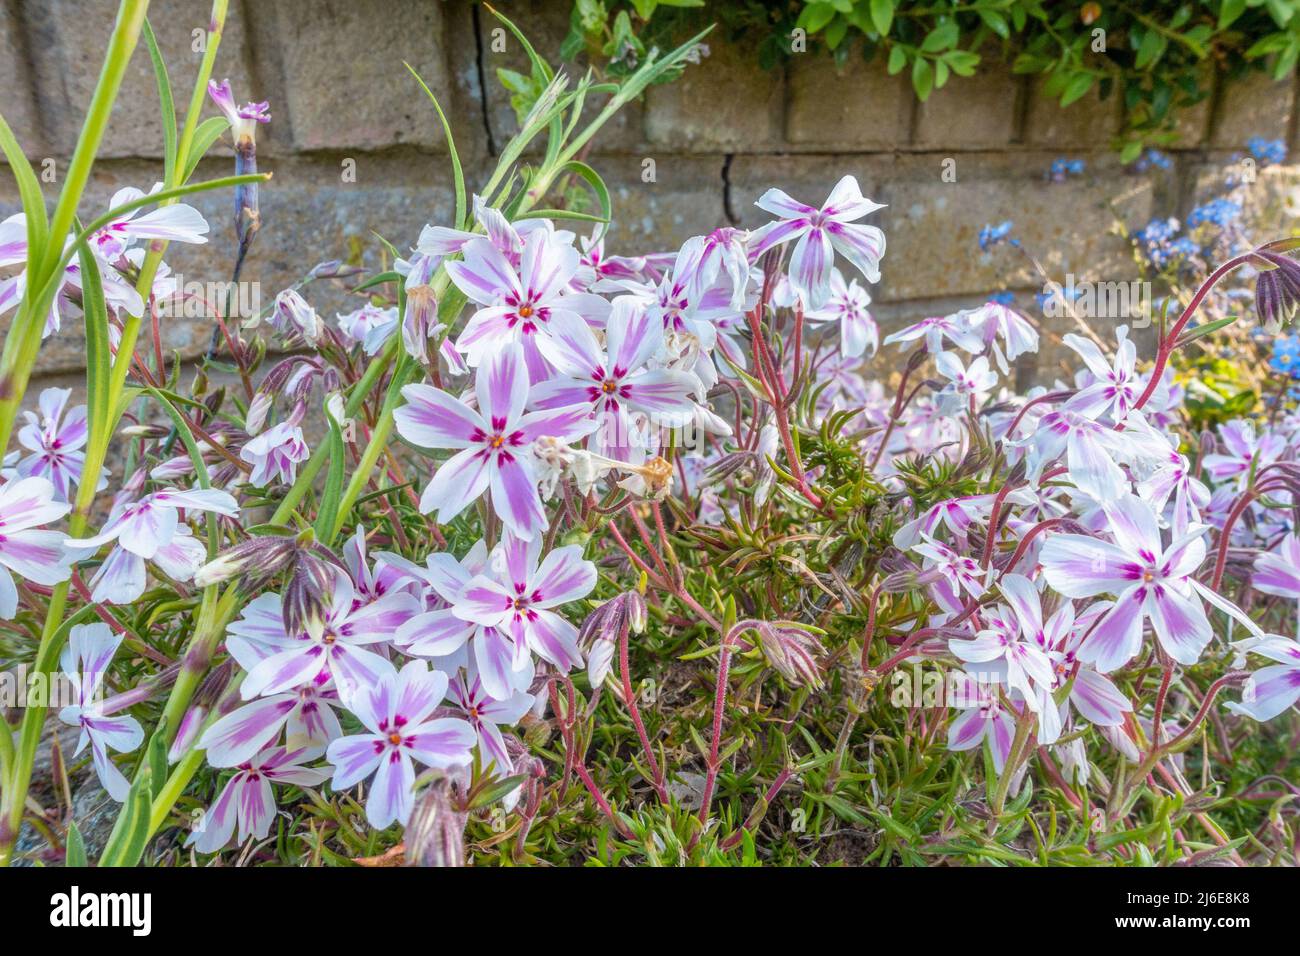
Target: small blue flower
1003	298
1269	152
993	235
1286	355
1221	212
1063	168
1153	159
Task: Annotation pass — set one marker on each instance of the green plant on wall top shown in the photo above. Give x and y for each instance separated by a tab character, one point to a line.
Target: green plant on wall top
1159	56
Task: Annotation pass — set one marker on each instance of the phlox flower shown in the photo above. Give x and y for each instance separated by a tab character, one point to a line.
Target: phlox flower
956	514
441	635
519	596
1274	689
820	233
723	262
517	305
388	572
1174	479
695	319
984	718
291	313
1010	644
149	530
340	646
955	328
491	441
1115	384
1150	581
55	439
305	713
1246	452
1094	696
958	572
246	806
487	714
369	326
119	294
1278	571
121	578
243	119
1008	333
276	453
174	223
396	710
847	305
594	265
84	661
614	380
1090	450
966	384
508	237
25	548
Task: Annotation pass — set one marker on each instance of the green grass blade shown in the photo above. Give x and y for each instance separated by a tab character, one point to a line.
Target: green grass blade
29	191
209	132
165	102
458	174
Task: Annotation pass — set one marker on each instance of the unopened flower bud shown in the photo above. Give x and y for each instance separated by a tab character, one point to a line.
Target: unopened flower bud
791	651
293	314
257	412
186	733
435	835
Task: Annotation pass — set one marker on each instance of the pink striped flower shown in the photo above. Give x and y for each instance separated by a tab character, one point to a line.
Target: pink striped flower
820	234
400	731
55	438
246	806
1272	690
26	549
847	305
487	714
491	440
519	598
518	305
614	382
174	223
1246	452
85	660
1150	581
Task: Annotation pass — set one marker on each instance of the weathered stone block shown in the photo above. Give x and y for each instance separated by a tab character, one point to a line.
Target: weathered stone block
728	102
858	106
976	112
19	107
686	199
1254	105
1088	123
68	39
346	86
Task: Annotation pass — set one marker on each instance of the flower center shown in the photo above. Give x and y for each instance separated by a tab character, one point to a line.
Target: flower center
394	738
525	311
609	386
498	441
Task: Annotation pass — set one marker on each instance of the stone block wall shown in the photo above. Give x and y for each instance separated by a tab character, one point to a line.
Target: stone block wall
340	95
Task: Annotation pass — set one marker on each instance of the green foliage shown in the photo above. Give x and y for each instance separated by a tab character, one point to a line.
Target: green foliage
1159	57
